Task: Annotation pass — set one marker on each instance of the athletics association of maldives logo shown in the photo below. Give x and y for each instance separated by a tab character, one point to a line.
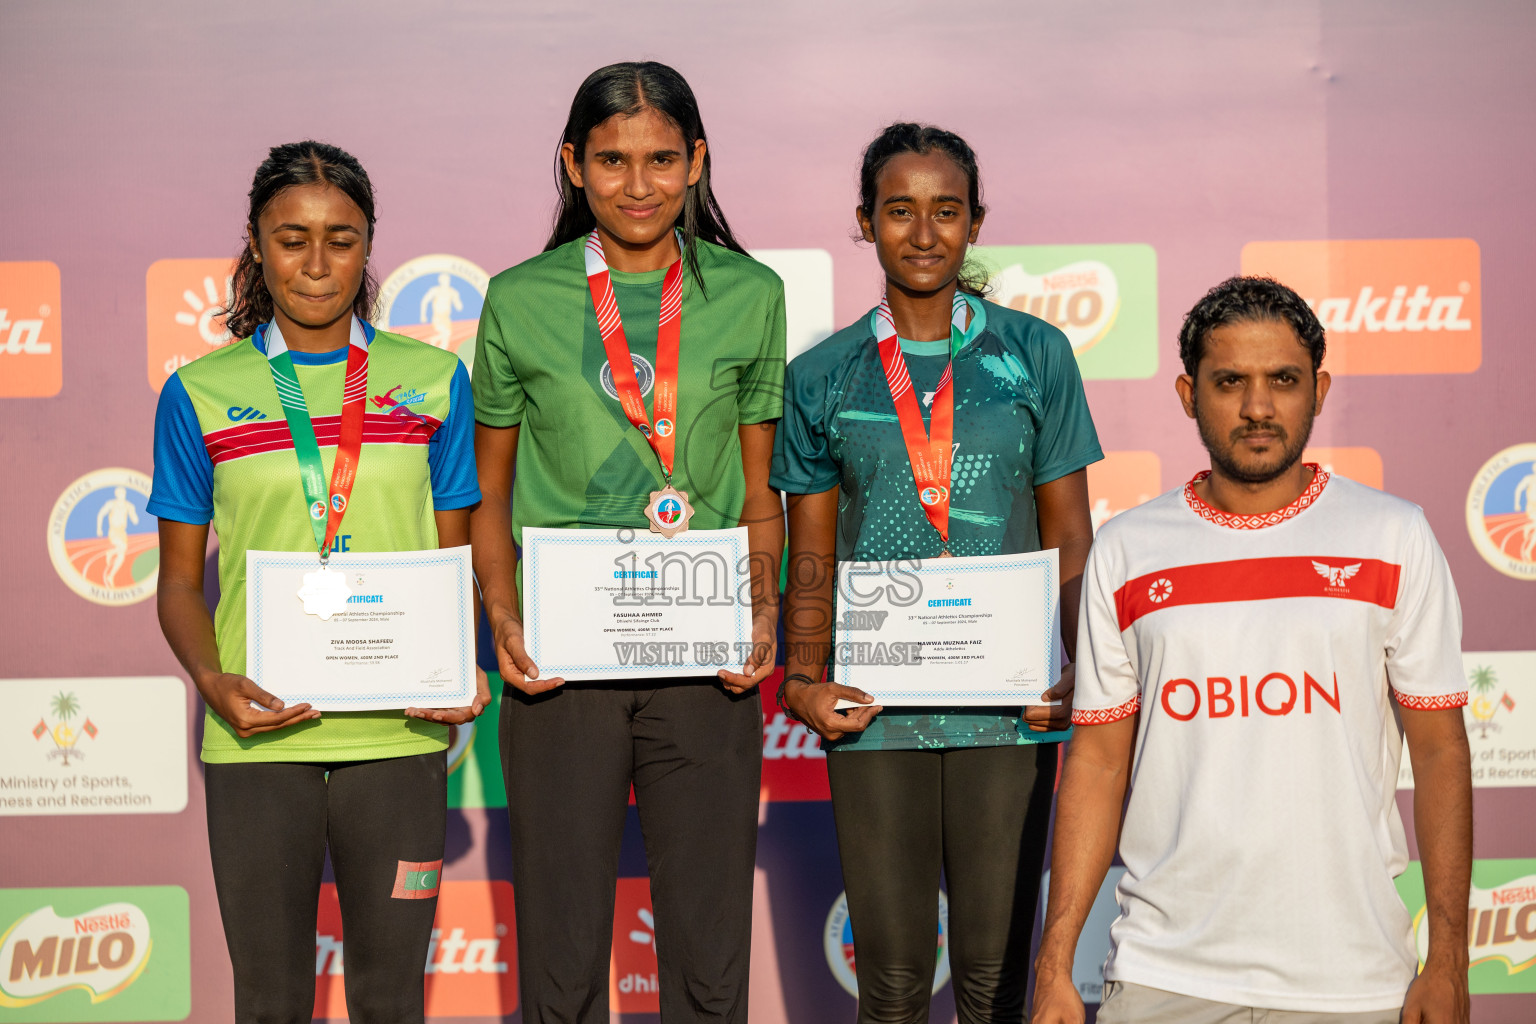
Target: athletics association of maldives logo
1501	511
436	299
837	943
103	541
931	495
668	510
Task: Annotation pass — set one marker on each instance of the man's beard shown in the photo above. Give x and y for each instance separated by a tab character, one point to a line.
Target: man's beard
1222	449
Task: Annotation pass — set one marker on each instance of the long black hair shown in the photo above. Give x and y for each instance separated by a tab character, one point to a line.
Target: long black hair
922	139
626	89
296	163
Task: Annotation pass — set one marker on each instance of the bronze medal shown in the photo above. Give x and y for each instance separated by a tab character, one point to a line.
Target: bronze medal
669	511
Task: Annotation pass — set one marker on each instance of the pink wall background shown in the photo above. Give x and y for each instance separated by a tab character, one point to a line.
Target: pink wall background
129	132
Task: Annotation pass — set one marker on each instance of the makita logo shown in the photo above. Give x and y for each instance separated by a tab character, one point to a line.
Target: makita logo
102	950
1389	305
452	953
240	415
786	740
23	337
29	330
1372	312
1276	695
471	963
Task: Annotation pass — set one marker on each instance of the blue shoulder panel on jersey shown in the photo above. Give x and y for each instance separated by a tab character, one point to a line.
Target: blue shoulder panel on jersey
183	478
451	453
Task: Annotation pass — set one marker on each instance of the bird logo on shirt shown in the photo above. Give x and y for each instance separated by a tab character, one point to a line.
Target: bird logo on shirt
1334	574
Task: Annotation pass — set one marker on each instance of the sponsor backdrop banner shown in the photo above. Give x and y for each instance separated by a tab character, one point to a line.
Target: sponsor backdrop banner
1375	155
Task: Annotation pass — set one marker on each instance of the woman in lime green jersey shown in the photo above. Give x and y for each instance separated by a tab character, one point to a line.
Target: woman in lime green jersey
285	785
636	218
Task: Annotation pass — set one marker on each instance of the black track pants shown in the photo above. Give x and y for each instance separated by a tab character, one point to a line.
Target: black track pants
694	755
269	825
982	815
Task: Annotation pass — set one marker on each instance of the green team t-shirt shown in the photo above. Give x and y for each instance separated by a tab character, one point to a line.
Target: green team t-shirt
1021	420
540	362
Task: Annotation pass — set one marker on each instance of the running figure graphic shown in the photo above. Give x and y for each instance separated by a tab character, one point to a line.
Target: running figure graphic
444	300
118	512
1525	501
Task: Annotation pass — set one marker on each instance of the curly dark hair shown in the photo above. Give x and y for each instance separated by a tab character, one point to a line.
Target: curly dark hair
1243	300
296	163
922	139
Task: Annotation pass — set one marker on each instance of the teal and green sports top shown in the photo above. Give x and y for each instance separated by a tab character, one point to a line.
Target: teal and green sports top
1021	420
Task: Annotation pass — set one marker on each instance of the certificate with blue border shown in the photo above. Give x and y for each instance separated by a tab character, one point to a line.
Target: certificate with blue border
627	604
950	631
406	637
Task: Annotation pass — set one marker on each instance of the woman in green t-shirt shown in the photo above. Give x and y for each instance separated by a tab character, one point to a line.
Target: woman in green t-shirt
636	217
917	790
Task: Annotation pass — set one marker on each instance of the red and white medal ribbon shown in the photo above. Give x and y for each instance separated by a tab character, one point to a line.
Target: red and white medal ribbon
660	433
668	509
931	450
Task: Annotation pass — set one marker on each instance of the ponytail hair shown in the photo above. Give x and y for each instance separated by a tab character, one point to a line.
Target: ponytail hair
922	139
625	90
296	163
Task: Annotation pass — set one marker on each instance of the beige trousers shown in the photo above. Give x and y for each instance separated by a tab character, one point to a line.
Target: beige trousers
1125	1003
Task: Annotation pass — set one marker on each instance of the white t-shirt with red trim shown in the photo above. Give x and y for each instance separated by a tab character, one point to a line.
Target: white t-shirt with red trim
1263	652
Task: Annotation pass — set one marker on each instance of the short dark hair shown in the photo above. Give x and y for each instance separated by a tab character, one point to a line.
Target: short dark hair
296	163
625	89
922	139
1244	300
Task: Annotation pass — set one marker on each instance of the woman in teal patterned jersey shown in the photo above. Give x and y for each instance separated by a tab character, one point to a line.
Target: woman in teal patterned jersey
917	790
636	219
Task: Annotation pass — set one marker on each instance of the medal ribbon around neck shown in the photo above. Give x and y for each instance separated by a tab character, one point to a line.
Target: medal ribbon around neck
662	435
326	507
930	451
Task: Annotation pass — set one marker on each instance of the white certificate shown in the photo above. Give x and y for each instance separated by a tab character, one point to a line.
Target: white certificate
405	637
618	604
950	631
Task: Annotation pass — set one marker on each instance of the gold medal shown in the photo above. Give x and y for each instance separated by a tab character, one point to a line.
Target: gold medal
669	511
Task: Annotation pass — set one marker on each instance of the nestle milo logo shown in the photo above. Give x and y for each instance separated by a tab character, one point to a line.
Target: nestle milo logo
95	954
1102	297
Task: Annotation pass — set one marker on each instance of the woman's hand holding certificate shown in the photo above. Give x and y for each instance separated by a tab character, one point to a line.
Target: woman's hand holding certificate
950	631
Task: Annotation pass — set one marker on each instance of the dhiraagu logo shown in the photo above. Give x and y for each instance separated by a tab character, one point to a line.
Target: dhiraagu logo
1103	297
95	954
1501	923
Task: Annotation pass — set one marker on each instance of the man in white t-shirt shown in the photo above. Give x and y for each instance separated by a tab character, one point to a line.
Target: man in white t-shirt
1252	650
